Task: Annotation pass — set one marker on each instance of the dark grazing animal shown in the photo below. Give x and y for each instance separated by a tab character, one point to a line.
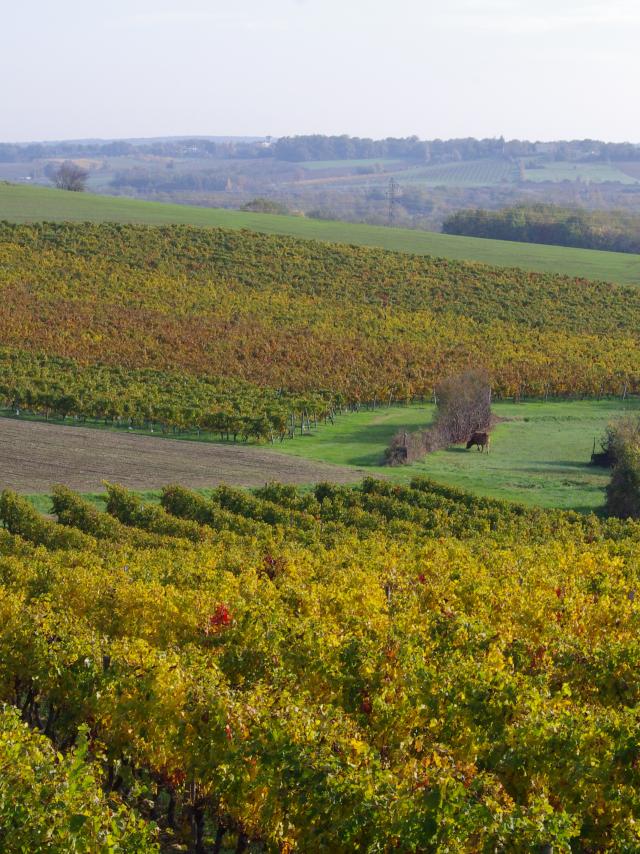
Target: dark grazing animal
605	458
479	439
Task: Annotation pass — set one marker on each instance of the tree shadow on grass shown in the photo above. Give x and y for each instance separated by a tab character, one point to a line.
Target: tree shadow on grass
569	464
382	433
597	511
374	460
377	435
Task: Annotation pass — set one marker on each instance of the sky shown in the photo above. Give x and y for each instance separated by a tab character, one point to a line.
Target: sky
533	69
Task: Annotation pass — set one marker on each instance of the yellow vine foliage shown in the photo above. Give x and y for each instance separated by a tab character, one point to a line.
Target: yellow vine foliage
414	670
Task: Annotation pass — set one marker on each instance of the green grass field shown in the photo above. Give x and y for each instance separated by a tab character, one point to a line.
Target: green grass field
591	172
319	165
540	455
20	203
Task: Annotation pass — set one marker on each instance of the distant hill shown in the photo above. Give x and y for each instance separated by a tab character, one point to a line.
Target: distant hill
19	203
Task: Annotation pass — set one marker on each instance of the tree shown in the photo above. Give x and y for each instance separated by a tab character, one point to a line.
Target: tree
263	205
464	406
623	490
70	176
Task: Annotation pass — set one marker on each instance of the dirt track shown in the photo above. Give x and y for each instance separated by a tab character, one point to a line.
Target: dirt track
33	456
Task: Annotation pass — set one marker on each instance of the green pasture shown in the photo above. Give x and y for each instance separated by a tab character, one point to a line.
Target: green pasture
19	203
591	172
539	454
319	165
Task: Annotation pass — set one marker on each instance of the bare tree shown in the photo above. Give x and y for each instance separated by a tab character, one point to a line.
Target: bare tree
464	407
70	176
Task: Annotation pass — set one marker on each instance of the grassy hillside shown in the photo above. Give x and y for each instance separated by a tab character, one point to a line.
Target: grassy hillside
29	204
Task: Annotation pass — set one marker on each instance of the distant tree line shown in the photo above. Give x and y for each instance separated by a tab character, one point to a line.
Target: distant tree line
196	148
320	147
612	230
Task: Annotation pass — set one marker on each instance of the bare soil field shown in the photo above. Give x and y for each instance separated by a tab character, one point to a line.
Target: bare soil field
33	456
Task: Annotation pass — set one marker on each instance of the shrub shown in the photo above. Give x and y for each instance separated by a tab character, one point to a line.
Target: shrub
262	205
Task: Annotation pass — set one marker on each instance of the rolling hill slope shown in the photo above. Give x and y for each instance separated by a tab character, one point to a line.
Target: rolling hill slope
178	323
30	204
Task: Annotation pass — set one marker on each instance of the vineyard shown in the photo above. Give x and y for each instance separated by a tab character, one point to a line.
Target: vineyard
479	173
387	667
323	165
165	401
255	336
380	668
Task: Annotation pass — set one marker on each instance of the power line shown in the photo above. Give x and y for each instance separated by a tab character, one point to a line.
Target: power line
392	194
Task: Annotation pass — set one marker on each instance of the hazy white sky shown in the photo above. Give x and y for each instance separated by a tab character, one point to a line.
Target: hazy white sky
537	69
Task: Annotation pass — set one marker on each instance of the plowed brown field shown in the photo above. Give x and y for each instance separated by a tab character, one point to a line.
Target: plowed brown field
33	456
